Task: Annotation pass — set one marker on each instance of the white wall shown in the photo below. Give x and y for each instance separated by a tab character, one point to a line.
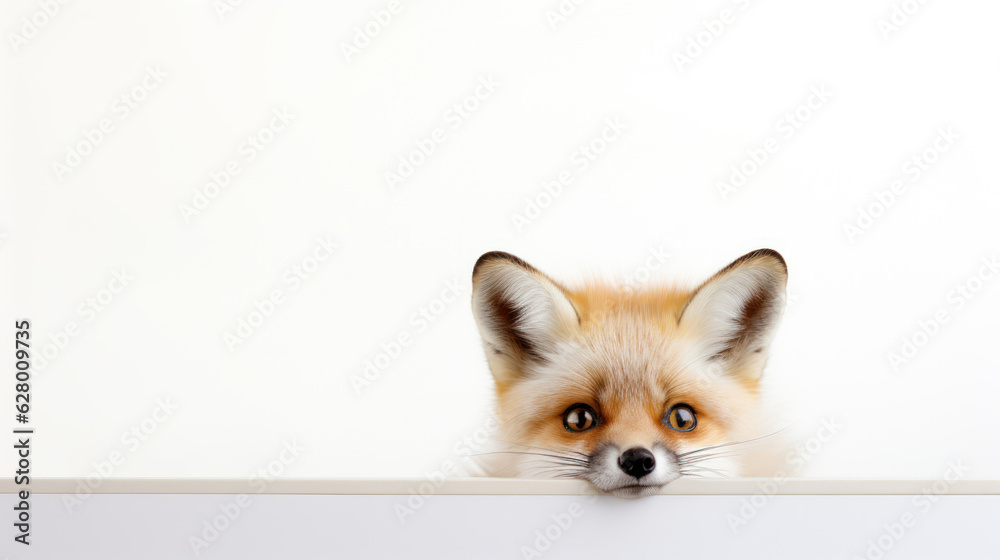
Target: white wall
212	81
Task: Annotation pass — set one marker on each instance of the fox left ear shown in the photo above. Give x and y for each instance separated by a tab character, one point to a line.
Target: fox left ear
521	313
737	310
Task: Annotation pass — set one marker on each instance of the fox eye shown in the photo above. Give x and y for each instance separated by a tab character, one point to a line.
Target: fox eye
680	417
579	418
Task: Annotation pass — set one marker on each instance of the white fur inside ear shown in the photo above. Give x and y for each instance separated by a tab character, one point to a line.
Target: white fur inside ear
519	307
545	309
719	309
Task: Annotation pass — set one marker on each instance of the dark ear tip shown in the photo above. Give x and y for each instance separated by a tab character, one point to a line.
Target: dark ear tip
766	253
497	255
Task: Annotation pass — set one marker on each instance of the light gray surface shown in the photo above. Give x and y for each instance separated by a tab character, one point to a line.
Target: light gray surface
478	526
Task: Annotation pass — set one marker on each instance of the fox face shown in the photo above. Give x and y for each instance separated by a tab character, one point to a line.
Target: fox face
628	390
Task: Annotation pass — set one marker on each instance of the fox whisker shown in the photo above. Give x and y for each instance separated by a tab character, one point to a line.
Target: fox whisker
552	449
720	472
699	458
561	457
727	444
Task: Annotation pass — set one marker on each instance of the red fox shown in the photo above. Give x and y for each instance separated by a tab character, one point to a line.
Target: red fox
627	389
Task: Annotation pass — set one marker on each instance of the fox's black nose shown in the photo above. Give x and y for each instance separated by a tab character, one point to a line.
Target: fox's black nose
637	462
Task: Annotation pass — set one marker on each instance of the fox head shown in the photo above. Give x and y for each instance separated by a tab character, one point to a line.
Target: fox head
628	389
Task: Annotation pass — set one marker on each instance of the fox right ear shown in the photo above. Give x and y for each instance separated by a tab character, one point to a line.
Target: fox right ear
738	309
520	311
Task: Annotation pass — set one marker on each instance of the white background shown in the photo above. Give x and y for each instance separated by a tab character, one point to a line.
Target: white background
354	114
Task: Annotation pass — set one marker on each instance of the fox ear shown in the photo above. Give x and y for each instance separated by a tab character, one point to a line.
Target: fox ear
520	311
737	310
